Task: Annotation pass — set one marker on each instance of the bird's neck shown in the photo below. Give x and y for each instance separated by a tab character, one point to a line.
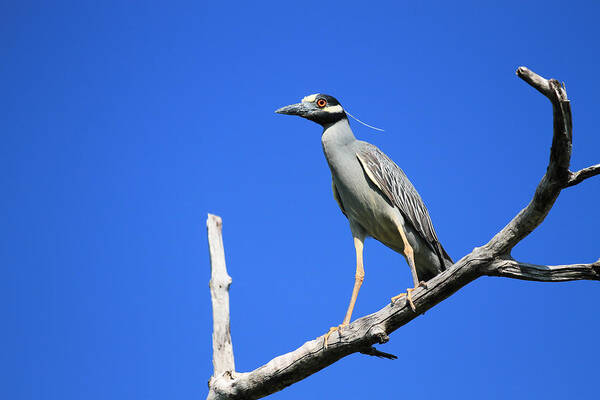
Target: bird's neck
337	136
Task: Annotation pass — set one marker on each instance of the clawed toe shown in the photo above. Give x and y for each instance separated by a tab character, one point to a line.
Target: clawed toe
331	330
395	298
408	298
408	295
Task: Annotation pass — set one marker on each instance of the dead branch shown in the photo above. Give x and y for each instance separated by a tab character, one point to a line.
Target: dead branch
223	363
492	259
583	174
545	273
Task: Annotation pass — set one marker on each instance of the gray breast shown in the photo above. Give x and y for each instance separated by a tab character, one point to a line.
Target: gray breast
361	199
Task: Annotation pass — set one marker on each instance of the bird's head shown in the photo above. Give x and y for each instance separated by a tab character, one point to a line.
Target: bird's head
320	108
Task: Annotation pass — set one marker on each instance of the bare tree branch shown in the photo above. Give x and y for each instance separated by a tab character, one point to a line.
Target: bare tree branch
545	273
223	362
492	259
556	175
359	336
535	80
583	174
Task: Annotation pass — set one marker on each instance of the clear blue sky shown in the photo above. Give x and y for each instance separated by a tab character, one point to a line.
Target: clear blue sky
123	124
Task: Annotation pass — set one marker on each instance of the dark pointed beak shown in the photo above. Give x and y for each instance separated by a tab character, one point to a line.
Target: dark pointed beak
300	109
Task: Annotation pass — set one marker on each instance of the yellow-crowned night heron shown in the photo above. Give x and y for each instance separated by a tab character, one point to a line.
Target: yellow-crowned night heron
375	195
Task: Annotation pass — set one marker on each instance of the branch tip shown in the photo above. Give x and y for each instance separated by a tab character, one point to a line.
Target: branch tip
214	218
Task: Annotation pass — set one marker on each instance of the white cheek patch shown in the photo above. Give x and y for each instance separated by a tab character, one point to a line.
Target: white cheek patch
333	109
310	99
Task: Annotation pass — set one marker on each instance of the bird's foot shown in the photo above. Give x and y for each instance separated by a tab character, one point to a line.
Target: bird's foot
395	298
408	295
331	330
408	298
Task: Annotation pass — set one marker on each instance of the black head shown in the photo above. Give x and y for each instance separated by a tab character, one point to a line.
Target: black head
320	108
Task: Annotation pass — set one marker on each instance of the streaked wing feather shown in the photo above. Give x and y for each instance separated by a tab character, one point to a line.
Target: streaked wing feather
394	184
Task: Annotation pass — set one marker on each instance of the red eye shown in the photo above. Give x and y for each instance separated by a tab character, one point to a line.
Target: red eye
321	103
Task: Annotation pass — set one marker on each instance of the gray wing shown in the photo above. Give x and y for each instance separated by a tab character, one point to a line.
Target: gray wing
394	184
336	196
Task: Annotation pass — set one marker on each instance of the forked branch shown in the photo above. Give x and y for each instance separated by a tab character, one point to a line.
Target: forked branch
492	259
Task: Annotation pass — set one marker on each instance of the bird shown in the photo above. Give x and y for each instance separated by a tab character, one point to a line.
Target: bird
376	197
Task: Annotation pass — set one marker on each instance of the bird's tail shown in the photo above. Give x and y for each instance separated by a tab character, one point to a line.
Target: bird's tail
445	260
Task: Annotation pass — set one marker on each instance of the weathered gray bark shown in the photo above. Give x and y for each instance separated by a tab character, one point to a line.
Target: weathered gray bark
223	364
492	259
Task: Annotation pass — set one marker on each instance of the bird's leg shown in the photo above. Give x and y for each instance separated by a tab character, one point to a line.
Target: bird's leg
410	259
358	280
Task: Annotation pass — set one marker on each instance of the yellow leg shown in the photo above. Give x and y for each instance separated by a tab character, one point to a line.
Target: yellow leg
410	259
358	280
410	256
